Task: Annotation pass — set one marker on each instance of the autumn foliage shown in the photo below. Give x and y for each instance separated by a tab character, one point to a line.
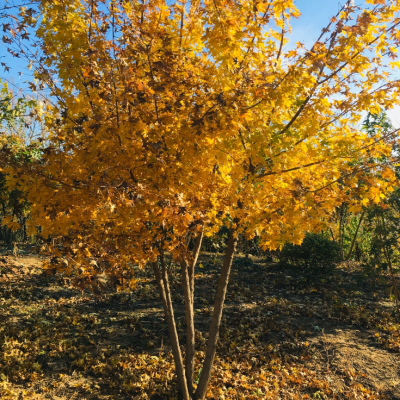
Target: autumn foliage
172	120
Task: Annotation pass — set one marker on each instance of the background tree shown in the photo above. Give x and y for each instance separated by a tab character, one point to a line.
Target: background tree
173	120
14	206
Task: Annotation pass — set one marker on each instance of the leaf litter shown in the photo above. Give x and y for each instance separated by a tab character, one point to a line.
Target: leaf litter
281	338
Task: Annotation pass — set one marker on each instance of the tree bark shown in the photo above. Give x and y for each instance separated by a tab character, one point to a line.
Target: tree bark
190	336
389	261
195	256
341	230
187	270
355	237
24	230
216	318
165	293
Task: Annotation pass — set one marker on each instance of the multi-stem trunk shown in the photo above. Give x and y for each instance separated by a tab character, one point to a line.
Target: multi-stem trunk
216	318
187	270
185	377
165	293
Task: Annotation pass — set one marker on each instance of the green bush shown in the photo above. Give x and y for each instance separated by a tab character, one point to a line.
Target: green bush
317	255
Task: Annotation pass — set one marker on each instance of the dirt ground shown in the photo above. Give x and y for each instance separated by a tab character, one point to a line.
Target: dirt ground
282	337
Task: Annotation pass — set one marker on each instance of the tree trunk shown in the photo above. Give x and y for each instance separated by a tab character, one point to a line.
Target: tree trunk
342	221
25	237
355	237
188	290
195	256
8	236
216	319
165	293
389	261
190	336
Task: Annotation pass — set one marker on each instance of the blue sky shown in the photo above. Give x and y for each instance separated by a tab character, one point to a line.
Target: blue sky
315	16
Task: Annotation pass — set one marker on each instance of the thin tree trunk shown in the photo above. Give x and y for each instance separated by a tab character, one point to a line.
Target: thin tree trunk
333	236
341	232
355	237
165	293
195	256
190	336
342	229
188	290
8	236
216	318
24	230
389	261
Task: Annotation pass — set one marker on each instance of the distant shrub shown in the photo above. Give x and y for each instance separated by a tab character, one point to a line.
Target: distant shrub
217	242
317	255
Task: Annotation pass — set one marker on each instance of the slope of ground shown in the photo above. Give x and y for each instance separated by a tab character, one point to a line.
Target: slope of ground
336	338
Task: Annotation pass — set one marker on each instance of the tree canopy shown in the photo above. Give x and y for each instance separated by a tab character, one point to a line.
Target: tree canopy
174	119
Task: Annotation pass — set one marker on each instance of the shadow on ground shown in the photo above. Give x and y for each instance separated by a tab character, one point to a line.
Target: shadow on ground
282	338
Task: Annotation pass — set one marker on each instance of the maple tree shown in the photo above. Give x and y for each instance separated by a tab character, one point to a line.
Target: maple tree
172	120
